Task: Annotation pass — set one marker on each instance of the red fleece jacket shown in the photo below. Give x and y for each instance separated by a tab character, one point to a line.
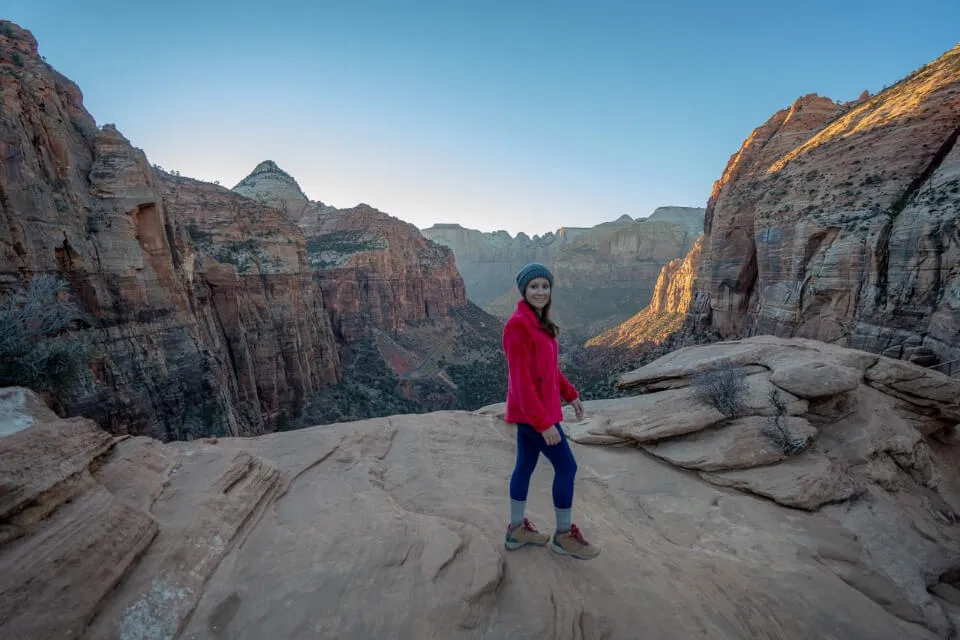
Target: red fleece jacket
535	384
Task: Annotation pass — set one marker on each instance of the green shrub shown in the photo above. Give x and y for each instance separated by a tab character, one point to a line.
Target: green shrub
328	250
481	382
36	347
368	389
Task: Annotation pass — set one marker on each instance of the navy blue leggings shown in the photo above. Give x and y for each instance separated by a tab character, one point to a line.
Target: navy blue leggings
529	446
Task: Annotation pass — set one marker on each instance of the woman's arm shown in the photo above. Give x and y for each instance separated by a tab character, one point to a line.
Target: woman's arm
516	344
567	390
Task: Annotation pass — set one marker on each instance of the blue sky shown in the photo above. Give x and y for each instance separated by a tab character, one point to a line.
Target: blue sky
524	116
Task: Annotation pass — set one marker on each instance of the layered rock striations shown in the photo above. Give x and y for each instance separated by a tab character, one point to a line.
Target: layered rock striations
608	274
410	340
375	270
605	273
211	310
667	309
840	222
489	261
250	268
847	527
204	317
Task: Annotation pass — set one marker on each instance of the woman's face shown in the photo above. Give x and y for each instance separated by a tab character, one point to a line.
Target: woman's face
538	293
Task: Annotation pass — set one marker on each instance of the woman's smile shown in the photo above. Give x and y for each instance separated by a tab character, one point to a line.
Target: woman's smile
538	292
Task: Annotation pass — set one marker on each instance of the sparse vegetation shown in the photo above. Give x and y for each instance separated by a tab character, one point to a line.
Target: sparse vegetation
778	432
331	249
198	237
595	370
481	382
202	418
368	389
95	222
36	347
243	254
722	387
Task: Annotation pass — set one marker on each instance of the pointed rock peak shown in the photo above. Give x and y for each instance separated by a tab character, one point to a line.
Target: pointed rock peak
271	185
269	167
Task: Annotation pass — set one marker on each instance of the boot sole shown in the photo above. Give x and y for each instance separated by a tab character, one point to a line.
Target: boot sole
563	552
513	546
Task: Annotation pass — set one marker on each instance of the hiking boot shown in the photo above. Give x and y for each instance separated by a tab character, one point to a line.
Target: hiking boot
572	543
523	534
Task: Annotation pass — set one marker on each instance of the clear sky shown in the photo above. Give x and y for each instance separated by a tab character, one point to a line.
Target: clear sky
496	114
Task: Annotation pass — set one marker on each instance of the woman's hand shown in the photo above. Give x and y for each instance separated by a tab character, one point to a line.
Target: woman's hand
578	409
552	436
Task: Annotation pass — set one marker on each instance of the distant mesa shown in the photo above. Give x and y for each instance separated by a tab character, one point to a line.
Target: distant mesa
605	273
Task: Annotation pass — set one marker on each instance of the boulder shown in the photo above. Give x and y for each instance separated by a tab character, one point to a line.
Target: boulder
817	379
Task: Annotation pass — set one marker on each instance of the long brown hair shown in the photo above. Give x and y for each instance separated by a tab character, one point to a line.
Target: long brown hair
546	323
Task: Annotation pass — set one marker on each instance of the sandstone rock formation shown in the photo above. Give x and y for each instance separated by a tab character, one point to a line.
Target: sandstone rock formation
375	270
665	313
606	272
840	222
389	289
251	266
489	261
292	535
172	321
273	186
867	445
211	311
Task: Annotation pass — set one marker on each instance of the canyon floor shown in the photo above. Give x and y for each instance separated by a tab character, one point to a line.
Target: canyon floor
393	527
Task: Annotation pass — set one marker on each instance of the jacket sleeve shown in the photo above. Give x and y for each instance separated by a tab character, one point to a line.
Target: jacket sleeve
519	364
567	390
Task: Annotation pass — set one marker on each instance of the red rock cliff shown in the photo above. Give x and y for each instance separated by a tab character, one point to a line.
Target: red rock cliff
375	271
248	264
665	314
184	342
840	222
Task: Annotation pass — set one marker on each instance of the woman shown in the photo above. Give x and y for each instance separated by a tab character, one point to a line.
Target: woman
535	386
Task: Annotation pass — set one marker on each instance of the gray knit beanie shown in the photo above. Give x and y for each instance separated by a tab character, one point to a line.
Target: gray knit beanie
531	271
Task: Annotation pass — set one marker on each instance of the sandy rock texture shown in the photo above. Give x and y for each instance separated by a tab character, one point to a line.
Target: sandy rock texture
839	221
706	532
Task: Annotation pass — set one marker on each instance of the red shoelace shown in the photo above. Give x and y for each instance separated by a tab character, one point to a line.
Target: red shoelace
576	535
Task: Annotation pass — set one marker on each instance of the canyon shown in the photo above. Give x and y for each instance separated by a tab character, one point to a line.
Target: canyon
834	221
797	477
604	274
213	311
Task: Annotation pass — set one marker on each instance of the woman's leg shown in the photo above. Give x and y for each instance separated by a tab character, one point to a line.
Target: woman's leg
565	469
528	451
